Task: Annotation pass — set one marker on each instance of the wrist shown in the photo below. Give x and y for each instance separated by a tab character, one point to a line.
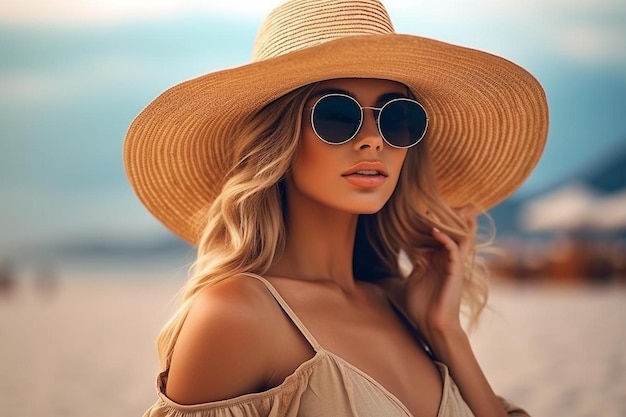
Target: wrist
448	342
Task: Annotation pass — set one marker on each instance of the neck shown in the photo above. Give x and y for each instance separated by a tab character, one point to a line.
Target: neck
319	244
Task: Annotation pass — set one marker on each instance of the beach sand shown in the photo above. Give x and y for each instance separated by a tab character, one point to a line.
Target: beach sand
86	347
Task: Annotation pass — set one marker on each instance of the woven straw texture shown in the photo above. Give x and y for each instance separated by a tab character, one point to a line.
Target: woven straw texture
488	118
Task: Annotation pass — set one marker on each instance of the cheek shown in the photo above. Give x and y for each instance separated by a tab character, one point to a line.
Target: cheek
314	160
307	153
316	170
397	159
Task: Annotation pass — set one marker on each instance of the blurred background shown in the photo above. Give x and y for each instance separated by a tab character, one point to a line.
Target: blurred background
87	276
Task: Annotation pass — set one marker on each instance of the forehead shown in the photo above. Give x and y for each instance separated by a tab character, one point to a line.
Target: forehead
363	88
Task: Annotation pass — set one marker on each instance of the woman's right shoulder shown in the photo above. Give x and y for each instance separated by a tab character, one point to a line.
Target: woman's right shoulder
223	350
239	295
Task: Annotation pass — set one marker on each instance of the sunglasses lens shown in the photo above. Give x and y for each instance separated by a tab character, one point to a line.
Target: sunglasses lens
336	118
403	122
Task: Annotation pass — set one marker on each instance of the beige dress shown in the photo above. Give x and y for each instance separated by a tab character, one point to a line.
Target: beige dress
324	386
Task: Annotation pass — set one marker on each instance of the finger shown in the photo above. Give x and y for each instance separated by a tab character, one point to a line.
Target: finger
449	243
467	213
466	244
454	263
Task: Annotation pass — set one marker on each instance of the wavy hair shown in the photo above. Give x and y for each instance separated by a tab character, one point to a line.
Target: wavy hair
245	227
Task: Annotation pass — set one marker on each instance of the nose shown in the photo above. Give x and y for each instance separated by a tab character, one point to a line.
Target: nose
368	136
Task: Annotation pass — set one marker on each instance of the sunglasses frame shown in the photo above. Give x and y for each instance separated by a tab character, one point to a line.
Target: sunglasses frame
377	119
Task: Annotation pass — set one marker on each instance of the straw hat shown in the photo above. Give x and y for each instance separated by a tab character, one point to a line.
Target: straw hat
488	118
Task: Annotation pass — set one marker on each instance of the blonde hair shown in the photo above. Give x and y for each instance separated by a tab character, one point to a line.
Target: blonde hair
245	229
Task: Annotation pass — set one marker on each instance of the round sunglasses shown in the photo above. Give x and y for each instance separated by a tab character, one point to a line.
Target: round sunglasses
337	118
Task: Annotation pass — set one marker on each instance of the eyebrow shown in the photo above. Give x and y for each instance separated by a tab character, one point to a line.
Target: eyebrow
326	91
383	98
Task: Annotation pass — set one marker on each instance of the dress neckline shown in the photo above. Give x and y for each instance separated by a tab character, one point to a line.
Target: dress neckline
321	351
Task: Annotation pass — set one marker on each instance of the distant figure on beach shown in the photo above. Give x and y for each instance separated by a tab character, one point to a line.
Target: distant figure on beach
8	280
331	187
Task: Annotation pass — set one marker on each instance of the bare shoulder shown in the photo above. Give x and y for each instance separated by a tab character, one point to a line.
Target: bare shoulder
223	350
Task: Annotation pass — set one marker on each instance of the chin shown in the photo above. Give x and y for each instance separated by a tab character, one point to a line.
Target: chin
371	210
367	208
366	205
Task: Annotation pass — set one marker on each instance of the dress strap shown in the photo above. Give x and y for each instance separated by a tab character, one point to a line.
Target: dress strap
283	304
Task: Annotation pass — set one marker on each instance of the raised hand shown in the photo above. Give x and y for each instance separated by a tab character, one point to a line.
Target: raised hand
433	301
433	294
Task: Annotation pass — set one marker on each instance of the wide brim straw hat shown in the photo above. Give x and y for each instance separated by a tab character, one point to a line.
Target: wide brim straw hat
488	117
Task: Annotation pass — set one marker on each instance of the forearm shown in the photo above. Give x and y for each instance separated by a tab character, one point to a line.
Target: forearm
455	351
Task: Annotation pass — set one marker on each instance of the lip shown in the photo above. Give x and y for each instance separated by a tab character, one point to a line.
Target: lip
367	166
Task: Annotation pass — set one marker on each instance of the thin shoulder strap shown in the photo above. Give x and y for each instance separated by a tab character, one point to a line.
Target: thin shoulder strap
283	304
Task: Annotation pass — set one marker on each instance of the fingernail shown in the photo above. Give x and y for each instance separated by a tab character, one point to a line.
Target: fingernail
436	230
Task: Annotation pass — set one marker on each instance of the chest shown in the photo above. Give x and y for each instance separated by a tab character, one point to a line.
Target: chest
368	334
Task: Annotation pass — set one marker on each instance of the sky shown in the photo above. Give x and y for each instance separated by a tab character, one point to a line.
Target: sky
73	74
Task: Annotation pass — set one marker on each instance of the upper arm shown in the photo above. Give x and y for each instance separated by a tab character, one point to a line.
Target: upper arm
222	350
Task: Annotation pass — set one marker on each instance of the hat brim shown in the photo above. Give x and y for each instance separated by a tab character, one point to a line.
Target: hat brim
488	120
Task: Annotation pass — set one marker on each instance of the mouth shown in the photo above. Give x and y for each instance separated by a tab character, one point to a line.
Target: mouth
368	173
367	169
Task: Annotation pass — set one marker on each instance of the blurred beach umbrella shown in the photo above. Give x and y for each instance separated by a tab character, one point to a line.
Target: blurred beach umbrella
575	207
609	212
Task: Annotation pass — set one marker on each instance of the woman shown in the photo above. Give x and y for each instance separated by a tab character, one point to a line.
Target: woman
331	187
